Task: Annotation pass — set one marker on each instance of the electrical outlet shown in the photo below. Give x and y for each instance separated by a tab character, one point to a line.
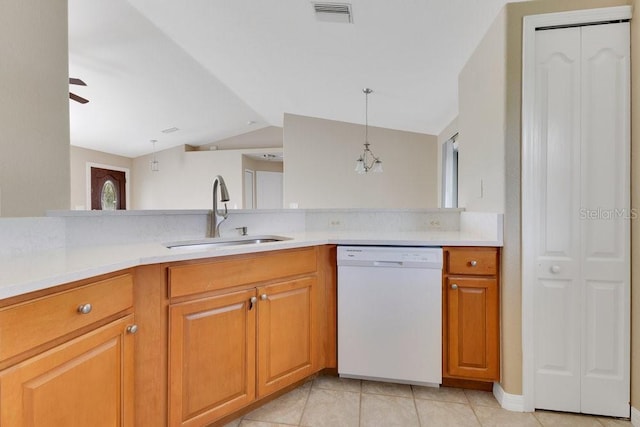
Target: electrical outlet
334	223
434	223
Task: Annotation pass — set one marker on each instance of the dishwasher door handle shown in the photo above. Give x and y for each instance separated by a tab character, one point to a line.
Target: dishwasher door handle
387	264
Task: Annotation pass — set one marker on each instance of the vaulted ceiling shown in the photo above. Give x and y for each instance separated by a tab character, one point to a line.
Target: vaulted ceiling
219	68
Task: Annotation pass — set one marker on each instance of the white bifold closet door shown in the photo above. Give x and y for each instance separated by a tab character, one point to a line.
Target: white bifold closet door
582	283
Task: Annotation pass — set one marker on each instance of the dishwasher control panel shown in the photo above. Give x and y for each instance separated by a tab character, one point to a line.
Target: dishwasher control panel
418	257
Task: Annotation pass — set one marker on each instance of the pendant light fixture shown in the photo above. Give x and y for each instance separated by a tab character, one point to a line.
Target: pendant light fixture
367	160
155	164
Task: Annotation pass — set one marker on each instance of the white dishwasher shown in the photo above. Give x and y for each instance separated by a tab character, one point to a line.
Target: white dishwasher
390	314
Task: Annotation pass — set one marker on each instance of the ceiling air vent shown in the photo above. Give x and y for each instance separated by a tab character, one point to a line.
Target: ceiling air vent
333	12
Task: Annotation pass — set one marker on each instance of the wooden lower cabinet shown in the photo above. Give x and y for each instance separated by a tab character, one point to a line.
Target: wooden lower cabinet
228	350
472	318
471	314
87	381
211	357
285	334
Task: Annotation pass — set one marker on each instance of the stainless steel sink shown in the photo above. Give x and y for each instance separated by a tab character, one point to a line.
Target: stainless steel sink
215	242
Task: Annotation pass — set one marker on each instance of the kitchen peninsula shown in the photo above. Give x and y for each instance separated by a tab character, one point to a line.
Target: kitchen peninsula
124	308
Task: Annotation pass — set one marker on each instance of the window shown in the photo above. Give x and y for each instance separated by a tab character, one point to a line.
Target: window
450	173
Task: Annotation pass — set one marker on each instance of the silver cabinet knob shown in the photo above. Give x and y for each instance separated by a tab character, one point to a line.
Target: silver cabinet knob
253	300
454	286
263	297
555	269
85	308
132	329
473	263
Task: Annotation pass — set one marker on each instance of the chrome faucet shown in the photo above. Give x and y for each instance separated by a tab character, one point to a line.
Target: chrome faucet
217	217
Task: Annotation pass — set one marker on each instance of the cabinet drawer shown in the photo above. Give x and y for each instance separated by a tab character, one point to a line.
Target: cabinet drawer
220	274
476	261
30	324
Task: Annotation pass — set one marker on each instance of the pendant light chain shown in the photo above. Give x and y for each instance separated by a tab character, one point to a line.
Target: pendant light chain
366	116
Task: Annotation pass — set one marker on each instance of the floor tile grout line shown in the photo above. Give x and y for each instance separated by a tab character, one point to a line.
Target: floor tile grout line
360	406
475	415
306	402
389	395
415	406
595	417
473	409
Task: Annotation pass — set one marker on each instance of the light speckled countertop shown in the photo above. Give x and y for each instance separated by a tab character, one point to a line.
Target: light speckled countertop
28	272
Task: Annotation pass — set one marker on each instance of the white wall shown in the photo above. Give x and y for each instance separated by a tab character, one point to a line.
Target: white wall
79	159
34	107
320	157
185	178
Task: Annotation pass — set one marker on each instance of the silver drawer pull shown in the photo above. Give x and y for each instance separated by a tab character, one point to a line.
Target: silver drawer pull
454	286
85	308
263	297
473	263
132	329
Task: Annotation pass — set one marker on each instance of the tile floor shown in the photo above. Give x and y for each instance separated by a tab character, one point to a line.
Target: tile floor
335	402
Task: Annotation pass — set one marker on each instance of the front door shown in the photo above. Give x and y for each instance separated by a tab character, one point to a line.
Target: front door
108	189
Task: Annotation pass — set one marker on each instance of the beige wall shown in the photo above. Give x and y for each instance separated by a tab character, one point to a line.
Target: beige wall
635	203
481	97
79	159
320	157
505	143
34	107
185	178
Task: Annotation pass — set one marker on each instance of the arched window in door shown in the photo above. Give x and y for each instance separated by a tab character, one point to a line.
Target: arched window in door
108	196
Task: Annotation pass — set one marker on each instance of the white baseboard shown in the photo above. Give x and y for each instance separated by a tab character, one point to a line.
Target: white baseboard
515	402
510	402
635	417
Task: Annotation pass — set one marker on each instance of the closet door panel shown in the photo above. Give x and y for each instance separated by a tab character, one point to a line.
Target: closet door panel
605	230
557	287
605	141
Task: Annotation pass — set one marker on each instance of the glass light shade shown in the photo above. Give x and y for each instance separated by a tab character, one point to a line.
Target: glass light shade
377	166
360	166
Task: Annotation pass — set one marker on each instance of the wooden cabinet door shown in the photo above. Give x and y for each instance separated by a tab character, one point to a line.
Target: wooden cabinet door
87	381
285	337
211	358
473	342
